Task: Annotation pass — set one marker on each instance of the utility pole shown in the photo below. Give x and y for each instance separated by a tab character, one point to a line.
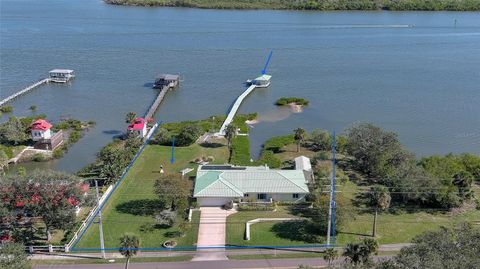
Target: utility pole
331	209
100	228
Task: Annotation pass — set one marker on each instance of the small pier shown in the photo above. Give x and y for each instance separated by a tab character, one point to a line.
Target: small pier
24	91
164	82
55	75
260	82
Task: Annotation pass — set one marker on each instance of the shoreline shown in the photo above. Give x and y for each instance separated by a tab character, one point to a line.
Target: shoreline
348	5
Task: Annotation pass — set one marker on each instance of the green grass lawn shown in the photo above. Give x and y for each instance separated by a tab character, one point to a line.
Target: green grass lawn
121	212
121	260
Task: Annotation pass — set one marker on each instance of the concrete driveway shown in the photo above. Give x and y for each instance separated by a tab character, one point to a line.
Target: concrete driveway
211	234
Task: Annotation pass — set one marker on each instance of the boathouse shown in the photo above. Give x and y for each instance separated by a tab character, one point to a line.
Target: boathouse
138	128
166	80
262	81
61	75
43	136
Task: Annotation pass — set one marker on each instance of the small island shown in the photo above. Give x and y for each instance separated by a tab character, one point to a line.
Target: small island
291	101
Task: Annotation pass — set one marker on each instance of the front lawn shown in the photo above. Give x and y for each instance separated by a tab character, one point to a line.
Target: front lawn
131	207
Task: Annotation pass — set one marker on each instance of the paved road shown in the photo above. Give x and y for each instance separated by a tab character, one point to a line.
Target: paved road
231	264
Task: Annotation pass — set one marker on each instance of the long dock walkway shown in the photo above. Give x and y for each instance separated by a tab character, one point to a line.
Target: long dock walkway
234	109
159	99
24	91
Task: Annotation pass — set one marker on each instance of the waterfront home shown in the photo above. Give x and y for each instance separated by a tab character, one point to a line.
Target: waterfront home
261	82
44	138
138	128
216	185
61	75
168	80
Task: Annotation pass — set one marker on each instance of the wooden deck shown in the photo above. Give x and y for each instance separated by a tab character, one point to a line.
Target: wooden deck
24	91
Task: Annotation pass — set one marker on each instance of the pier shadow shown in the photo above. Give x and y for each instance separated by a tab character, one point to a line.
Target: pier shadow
148	85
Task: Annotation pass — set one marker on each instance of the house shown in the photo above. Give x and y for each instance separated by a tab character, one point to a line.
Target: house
138	127
41	129
44	137
61	75
215	185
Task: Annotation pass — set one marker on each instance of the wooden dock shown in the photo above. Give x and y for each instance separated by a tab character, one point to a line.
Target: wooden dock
159	99
24	91
235	108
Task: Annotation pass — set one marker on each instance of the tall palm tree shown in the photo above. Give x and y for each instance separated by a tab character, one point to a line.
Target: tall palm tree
129	244
330	255
380	198
130	117
230	133
300	134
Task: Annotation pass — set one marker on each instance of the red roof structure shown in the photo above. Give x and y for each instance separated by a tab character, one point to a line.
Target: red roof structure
137	124
41	125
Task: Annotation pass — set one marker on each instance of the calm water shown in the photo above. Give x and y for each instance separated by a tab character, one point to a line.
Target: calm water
422	82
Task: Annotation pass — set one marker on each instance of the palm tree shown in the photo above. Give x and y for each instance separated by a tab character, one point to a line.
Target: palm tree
300	134
380	198
129	244
230	133
130	117
330	255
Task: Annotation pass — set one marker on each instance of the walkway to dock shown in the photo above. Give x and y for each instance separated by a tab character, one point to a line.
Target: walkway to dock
234	109
27	89
159	99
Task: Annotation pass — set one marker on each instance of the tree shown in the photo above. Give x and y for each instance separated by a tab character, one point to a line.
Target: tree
173	192
321	140
13	132
454	248
377	153
3	160
166	218
129	245
130	117
360	253
379	198
230	133
330	255
299	136
13	256
48	195
162	137
463	181
188	135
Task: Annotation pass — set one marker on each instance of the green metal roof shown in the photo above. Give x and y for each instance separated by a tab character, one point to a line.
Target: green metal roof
235	183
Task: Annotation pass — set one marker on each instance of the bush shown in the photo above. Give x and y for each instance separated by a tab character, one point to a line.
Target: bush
228	205
269	159
166	218
8	151
38	157
276	143
74	136
6	109
57	153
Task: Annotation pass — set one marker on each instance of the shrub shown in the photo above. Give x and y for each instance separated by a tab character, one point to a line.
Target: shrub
57	153
166	218
6	109
276	143
269	159
74	136
228	205
38	157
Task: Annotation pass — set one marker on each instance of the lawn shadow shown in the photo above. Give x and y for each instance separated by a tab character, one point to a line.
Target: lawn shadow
142	207
211	145
302	228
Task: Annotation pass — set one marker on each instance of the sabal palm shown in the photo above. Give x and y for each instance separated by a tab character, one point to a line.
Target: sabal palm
379	198
299	135
130	117
129	244
230	133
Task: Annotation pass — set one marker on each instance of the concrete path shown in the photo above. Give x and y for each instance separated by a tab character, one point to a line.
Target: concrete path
211	234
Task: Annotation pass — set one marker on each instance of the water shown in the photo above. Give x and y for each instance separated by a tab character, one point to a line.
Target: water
422	82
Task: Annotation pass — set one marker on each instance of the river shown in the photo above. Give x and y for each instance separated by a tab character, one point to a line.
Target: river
414	73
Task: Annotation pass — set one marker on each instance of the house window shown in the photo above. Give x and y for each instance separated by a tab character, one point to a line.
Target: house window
295	196
261	196
246	195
